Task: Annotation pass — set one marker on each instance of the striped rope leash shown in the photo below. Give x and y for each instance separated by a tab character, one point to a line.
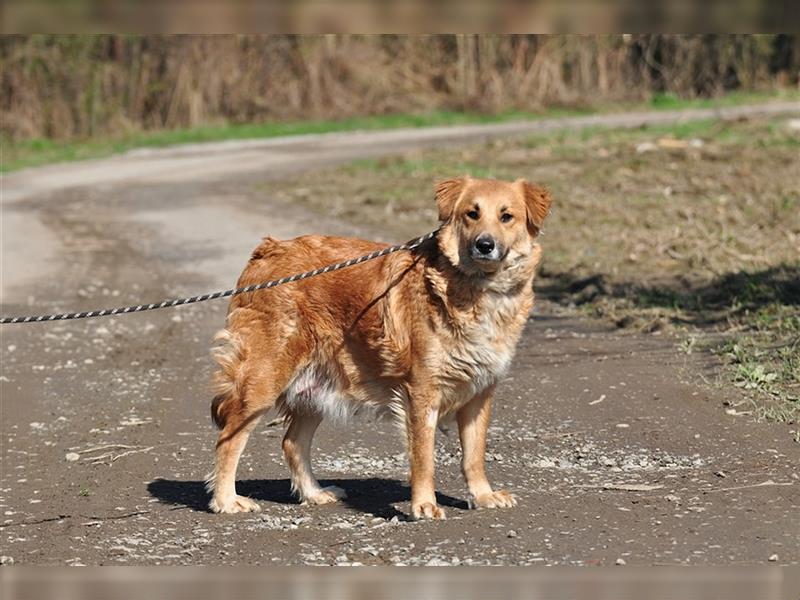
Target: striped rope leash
123	310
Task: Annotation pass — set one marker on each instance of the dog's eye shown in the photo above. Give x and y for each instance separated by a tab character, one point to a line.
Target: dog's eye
506	217
473	214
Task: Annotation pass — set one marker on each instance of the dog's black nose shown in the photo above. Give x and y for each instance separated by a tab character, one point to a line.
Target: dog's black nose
484	244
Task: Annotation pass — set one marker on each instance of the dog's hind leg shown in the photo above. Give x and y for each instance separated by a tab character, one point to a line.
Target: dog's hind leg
297	451
248	387
230	444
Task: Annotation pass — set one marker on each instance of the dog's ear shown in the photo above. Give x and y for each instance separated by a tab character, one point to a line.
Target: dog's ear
537	204
447	194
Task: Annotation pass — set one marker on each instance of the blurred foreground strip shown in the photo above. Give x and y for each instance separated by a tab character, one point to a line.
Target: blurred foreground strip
391	16
433	583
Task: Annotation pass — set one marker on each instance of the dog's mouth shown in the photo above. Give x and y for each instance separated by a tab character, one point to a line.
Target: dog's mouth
487	250
487	262
487	258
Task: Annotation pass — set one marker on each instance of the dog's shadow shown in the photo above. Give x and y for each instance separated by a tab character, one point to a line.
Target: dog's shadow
374	496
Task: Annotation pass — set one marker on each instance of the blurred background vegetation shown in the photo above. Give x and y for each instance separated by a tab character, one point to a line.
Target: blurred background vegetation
64	87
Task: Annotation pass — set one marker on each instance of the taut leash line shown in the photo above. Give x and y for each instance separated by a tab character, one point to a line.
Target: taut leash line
123	310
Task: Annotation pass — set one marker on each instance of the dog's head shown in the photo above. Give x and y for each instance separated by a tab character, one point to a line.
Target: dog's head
489	225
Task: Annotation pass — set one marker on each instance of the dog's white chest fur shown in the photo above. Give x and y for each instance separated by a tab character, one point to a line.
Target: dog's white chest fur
480	353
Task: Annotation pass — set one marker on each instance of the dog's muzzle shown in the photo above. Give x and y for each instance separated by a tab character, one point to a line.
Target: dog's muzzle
485	247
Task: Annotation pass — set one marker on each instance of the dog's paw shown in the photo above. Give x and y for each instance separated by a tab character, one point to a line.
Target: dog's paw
427	510
326	495
499	499
235	504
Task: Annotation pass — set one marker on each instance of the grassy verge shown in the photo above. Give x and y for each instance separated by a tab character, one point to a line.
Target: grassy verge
36	152
693	229
19	154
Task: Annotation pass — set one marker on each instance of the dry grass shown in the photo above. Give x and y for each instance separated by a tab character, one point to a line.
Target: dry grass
692	228
67	87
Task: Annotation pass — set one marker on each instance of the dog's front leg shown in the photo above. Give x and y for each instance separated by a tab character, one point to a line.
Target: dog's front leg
473	422
423	415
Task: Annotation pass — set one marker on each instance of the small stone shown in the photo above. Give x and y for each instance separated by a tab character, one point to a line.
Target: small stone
512	533
6	560
72	456
620	562
645	147
773	558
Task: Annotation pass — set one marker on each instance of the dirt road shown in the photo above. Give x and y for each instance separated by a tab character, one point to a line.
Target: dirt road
617	452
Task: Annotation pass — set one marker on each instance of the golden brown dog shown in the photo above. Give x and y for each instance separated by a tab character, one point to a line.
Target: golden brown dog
423	335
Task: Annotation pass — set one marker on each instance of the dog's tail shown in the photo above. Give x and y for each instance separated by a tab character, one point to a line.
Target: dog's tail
230	354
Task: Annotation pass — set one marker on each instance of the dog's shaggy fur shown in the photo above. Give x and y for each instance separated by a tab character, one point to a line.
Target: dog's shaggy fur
422	335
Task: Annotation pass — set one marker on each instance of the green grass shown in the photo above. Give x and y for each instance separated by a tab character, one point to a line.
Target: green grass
568	142
15	155
765	365
667	101
397	166
35	152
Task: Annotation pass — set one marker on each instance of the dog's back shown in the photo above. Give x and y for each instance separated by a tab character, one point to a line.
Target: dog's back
282	331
